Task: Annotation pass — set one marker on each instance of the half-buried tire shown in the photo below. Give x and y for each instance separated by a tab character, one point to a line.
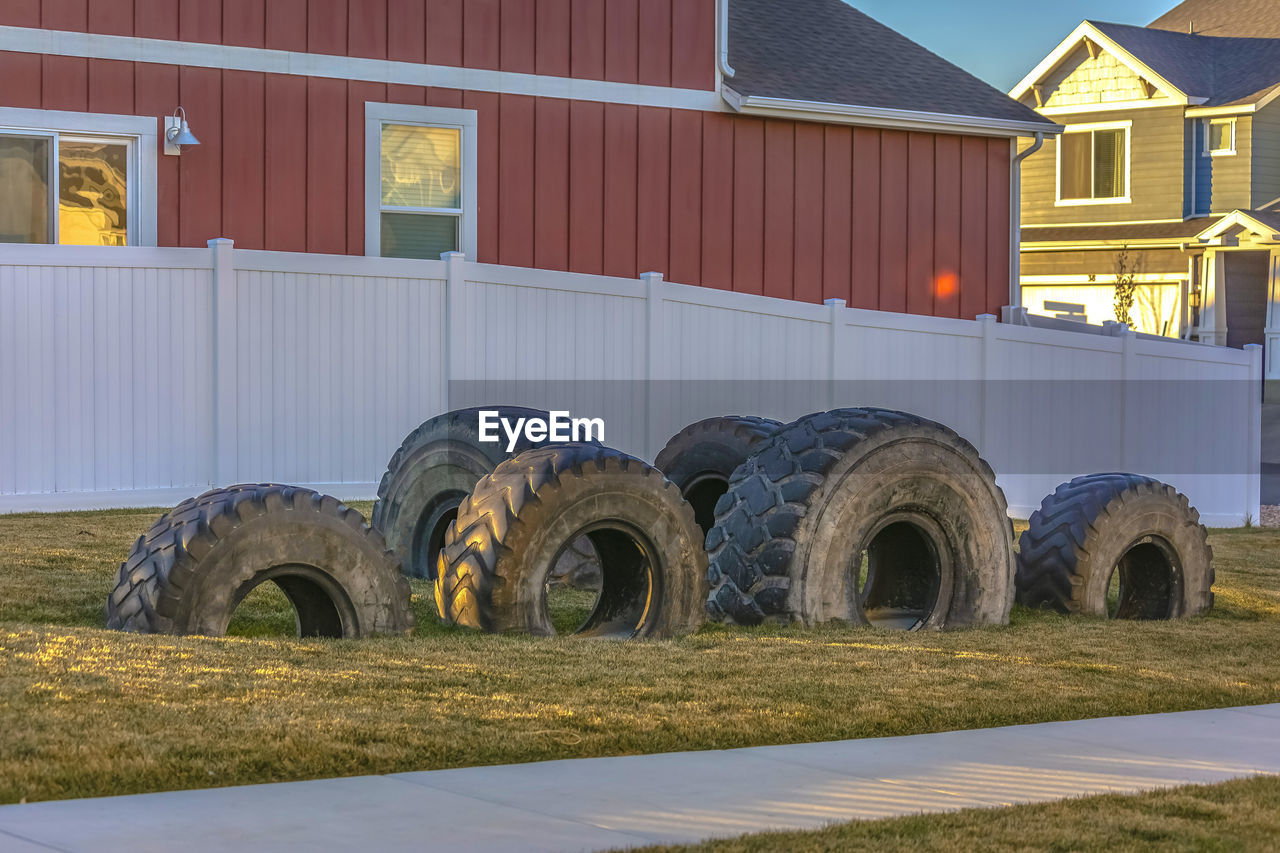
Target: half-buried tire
701	457
1117	545
513	528
435	467
187	574
864	515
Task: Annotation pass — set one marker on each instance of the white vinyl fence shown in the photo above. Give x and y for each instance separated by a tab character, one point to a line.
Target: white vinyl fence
141	376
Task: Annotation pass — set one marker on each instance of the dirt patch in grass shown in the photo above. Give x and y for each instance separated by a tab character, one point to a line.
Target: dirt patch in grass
1239	815
86	712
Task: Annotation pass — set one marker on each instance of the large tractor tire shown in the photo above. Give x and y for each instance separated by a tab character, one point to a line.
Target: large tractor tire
187	574
436	466
701	457
1116	545
864	515
515	526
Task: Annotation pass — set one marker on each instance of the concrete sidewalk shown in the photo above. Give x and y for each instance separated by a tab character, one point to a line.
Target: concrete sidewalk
602	803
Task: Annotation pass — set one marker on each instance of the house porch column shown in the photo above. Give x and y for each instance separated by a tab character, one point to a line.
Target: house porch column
1213	293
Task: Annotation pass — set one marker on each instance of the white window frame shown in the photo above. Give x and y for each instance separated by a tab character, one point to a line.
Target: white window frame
140	133
378	114
1221	152
1127	127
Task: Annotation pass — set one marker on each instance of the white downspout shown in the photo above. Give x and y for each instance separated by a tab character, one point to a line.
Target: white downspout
722	36
1015	218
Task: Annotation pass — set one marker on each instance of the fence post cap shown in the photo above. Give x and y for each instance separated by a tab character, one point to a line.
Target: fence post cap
837	303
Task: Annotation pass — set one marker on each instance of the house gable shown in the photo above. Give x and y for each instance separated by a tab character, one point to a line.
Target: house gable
1089	76
1089	70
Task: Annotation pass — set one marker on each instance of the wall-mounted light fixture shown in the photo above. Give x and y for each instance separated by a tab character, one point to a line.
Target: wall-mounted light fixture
177	133
1195	296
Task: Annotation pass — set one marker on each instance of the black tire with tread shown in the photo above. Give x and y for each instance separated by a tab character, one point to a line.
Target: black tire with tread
701	457
435	467
801	508
1082	531
188	572
501	548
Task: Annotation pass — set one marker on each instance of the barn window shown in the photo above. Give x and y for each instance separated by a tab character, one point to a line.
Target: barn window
77	178
60	188
1093	164
420	181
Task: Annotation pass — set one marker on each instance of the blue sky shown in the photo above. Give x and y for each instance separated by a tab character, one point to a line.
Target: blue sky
1001	40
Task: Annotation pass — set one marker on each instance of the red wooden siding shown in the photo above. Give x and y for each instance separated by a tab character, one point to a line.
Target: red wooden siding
654	42
883	219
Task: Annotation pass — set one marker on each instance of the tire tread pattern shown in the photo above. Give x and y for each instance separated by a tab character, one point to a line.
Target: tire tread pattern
165	559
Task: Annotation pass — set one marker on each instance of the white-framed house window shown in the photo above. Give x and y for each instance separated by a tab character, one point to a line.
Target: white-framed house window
420	181
1093	163
85	179
1220	137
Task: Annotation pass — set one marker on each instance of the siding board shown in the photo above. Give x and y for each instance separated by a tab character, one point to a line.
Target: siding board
653	192
406	33
244	108
779	209
865	245
809	206
200	171
973	244
946	227
586	187
920	224
285	180
717	201
620	166
837	219
551	184
686	196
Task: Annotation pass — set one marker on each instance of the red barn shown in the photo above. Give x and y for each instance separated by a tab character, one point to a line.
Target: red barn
797	149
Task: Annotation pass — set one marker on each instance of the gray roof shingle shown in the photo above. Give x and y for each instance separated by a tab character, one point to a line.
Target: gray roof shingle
1222	70
826	51
1240	18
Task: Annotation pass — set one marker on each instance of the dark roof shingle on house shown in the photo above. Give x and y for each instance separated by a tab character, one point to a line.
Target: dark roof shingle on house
1221	70
1240	18
825	51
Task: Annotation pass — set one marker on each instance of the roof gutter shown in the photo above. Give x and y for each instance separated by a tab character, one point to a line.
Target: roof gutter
1015	218
884	116
722	27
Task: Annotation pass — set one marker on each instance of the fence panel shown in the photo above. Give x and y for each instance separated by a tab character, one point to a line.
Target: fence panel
141	376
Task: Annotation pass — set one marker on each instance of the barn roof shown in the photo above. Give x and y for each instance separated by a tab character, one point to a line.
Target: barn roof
827	52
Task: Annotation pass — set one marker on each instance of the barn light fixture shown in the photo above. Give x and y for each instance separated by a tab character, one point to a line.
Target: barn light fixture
177	133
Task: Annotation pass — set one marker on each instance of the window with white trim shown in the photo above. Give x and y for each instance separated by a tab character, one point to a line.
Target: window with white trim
65	188
1093	164
77	178
1220	136
420	181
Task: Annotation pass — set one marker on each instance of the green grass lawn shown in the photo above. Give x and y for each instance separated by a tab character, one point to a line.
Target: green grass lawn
1243	814
85	711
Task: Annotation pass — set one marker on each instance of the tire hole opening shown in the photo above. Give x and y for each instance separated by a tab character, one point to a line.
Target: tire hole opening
285	605
703	495
430	532
898	577
1143	583
601	585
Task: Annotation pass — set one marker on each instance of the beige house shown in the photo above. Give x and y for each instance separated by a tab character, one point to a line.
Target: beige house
1168	173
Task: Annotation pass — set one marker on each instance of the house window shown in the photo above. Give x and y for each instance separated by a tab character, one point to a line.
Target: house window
1220	137
72	178
58	188
1093	165
421	181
